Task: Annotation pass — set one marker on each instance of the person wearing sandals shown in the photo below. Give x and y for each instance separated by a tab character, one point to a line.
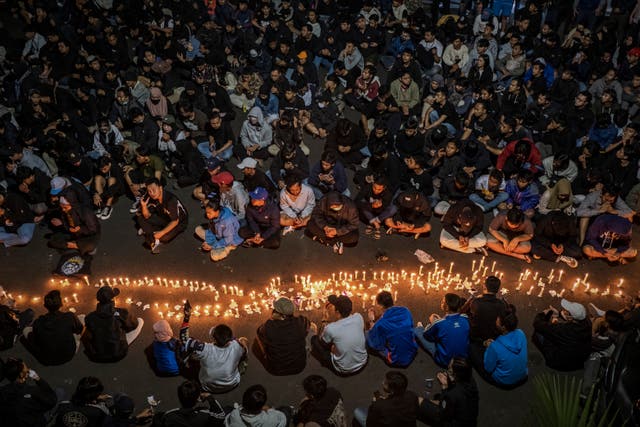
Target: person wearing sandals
510	234
375	205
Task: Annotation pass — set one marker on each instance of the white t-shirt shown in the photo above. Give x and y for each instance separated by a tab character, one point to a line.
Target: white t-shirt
348	337
219	365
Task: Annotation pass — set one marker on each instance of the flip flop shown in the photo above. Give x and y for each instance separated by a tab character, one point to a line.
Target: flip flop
377	234
368	230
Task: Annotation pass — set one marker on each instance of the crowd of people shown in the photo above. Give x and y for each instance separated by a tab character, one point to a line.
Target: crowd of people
480	333
520	114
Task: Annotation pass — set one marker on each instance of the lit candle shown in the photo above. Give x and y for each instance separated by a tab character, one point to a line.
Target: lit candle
451	267
493	266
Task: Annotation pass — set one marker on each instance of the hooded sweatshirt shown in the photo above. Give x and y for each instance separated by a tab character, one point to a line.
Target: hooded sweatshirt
260	133
392	335
506	358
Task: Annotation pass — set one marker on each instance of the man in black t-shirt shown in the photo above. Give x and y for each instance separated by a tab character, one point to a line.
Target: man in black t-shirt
220	138
162	215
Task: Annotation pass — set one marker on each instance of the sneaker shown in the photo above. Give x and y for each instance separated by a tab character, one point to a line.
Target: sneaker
140	231
134	207
288	229
155	247
482	251
338	248
365	163
106	212
570	261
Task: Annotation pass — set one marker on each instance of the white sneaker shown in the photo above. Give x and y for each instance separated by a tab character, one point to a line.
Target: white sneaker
106	213
134	207
155	247
570	261
288	229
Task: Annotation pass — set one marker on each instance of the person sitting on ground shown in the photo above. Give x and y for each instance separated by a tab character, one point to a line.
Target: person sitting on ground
445	337
263	221
490	191
205	186
347	140
254	412
196	409
457	403
563	338
375	204
221	361
80	225
253	176
220	234
510	233
147	165
328	175
232	194
505	358
54	337
17	222
281	340
109	330
108	185
341	342
162	215
321	405
523	193
26	399
412	217
88	403
462	228
165	350
609	237
391	336
334	222
297	202
121	414
393	406
599	202
555	239
255	136
12	321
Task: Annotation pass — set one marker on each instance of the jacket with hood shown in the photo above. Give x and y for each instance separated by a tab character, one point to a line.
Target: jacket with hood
52	340
236	199
566	345
609	231
344	221
264	220
223	231
392	335
451	336
506	358
452	225
259	134
339	176
105	335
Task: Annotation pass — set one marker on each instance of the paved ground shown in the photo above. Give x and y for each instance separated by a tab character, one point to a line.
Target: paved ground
25	271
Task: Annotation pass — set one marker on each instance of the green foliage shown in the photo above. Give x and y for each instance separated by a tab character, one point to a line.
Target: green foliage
557	404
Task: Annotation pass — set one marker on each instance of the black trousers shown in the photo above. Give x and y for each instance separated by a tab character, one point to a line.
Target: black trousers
349	239
85	244
272	242
156	223
572	249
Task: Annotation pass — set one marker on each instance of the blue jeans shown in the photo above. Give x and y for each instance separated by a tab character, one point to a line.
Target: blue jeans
434	116
204	149
430	347
320	60
21	237
489	205
319	194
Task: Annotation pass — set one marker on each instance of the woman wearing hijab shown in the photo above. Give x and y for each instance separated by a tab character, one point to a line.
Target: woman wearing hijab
157	104
557	198
165	347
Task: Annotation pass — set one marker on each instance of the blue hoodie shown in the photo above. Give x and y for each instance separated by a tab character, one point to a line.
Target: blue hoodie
392	336
506	358
223	231
527	198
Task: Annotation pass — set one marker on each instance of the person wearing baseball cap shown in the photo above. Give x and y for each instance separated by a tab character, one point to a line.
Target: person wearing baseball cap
263	221
341	343
281	340
253	176
109	330
212	167
563	337
232	194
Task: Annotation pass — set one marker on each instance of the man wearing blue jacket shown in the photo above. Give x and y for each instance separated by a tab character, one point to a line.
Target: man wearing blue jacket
505	358
447	337
391	336
263	221
220	234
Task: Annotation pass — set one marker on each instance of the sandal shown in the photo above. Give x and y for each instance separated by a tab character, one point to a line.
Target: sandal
389	231
377	234
368	230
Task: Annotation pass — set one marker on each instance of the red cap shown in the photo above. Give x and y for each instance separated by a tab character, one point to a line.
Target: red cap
222	178
634	52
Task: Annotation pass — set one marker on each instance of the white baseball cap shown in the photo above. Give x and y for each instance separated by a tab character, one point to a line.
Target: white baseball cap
575	309
248	162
